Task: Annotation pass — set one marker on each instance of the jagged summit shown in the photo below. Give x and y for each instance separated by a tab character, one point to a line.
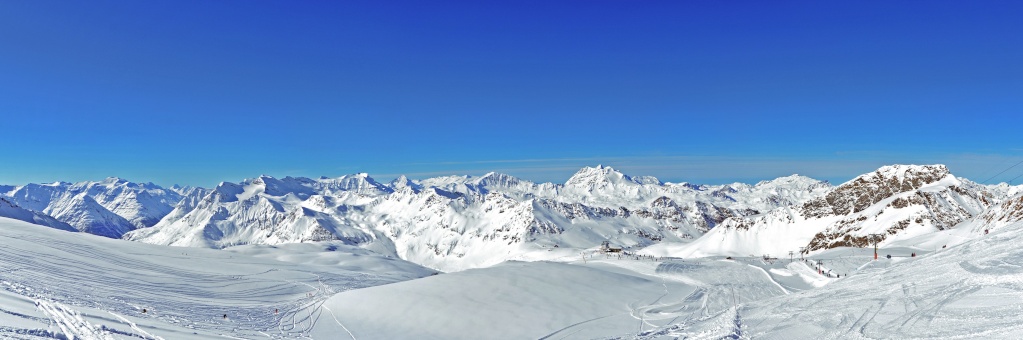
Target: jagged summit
896	201
904	175
361	183
496	177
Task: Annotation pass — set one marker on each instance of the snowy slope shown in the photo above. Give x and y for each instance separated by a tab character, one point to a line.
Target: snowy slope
64	285
897	202
109	208
969	291
88	216
460	222
55	284
547	300
13	211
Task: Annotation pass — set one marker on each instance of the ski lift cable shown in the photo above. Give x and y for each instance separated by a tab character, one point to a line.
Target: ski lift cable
1003	171
1014	178
996	167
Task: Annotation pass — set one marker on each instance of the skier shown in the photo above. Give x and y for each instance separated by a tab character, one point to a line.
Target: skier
889	256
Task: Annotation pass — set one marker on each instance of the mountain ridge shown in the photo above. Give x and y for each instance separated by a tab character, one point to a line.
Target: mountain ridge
460	222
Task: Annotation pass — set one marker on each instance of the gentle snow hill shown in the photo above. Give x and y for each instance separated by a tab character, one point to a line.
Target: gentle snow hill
459	222
55	284
897	202
108	208
547	300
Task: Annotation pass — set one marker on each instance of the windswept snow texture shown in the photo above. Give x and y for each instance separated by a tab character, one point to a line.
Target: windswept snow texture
55	284
460	222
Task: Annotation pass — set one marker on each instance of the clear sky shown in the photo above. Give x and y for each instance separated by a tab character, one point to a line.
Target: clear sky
198	92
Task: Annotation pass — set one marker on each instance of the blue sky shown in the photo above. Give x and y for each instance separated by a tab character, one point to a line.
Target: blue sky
708	92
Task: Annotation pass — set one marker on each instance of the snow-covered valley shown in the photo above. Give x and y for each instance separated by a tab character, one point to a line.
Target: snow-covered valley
499	257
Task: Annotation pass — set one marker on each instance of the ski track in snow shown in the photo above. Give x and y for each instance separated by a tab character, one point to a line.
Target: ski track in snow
332	315
142	333
109	284
71	323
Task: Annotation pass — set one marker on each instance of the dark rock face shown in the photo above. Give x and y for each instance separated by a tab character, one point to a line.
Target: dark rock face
867	190
941	209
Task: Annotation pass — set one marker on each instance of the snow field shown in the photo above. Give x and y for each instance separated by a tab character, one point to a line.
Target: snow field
551	300
88	286
970	291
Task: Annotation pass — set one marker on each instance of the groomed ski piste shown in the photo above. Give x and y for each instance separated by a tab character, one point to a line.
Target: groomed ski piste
63	285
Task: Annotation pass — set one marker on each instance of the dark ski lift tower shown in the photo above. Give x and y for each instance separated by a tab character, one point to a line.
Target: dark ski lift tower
875	238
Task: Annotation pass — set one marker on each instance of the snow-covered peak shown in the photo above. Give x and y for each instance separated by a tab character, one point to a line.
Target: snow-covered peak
360	183
112	181
688	186
597	176
794	181
444	181
9	209
496	179
402	183
300	186
227	192
908	175
87	215
186	190
141	204
651	180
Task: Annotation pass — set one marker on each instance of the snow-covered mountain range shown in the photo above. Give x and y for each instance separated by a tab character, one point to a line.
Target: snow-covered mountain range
460	222
109	208
298	247
893	203
10	210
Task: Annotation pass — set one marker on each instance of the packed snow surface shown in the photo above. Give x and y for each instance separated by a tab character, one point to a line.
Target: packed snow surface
56	282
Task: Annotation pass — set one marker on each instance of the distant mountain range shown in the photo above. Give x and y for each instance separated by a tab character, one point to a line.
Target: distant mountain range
459	222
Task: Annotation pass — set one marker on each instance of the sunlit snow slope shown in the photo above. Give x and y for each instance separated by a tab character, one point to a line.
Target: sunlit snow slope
59	284
969	291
